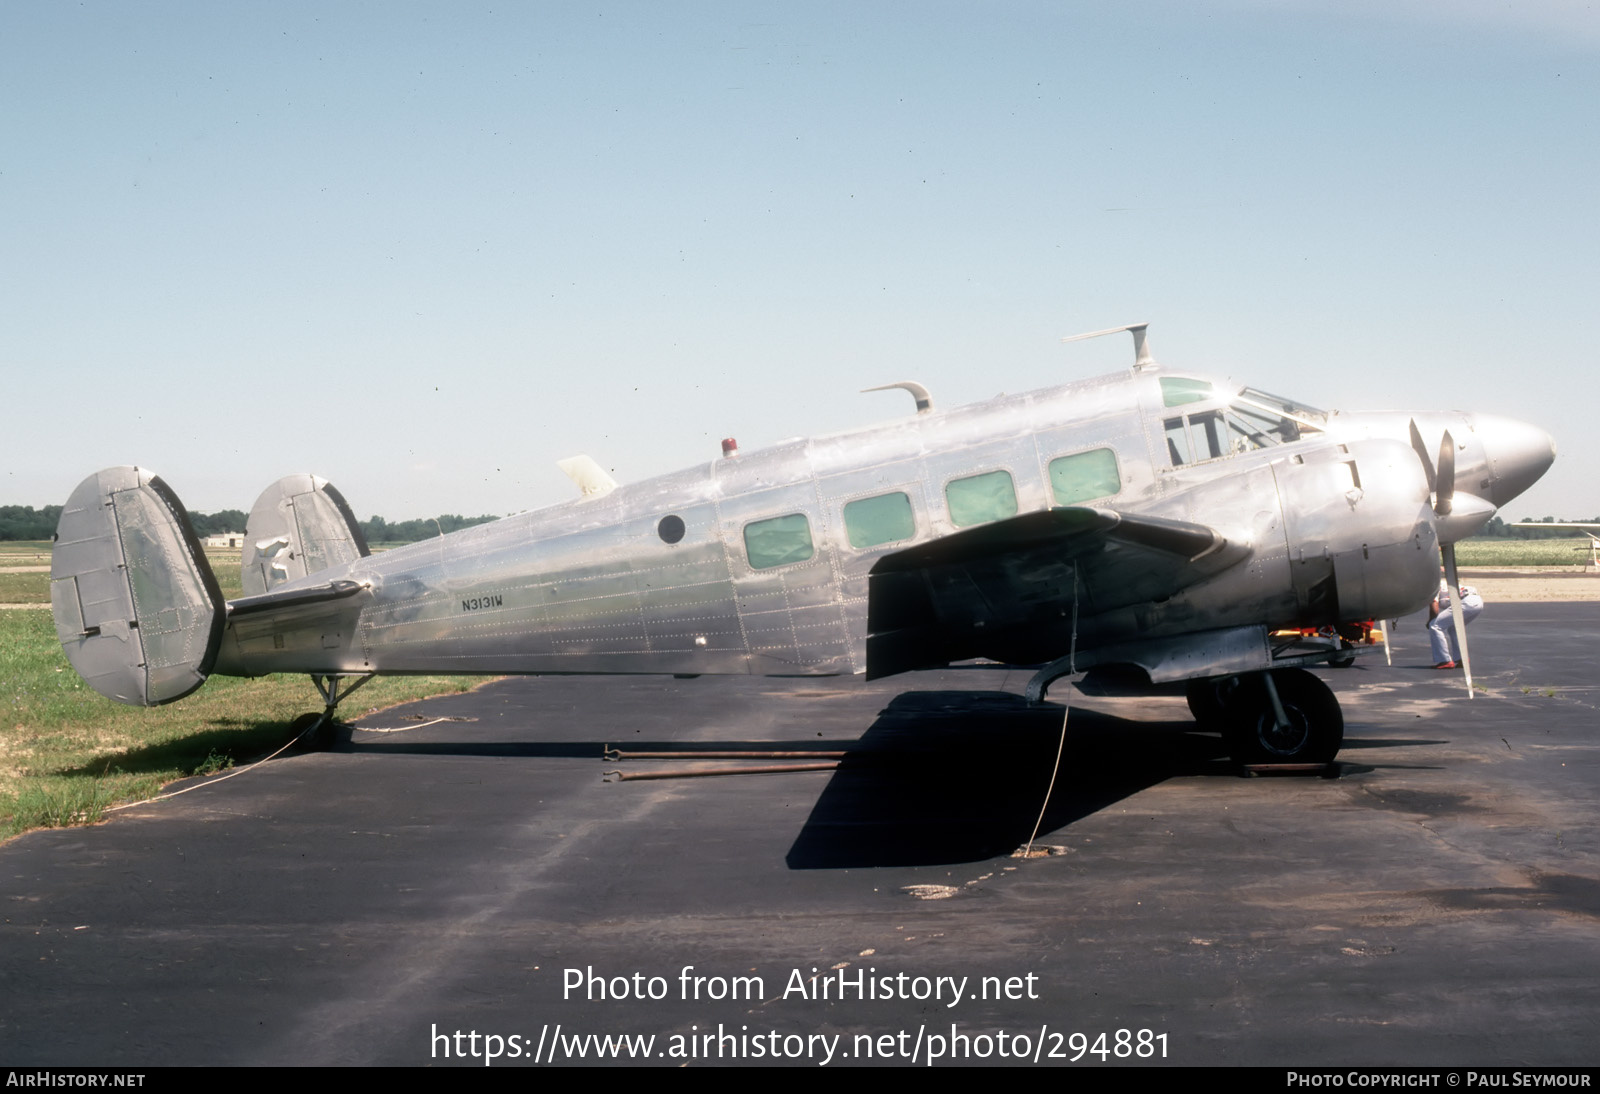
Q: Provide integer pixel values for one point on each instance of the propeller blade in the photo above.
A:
(1422, 454)
(1447, 475)
(1448, 552)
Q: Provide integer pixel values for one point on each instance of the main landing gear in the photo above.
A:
(1283, 716)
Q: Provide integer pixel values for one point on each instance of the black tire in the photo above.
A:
(1343, 659)
(320, 738)
(1316, 724)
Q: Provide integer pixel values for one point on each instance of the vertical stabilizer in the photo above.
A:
(299, 525)
(136, 606)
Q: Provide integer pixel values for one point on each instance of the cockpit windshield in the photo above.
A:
(1308, 415)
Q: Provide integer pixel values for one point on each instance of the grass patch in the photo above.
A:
(225, 564)
(25, 552)
(34, 588)
(66, 752)
(24, 588)
(1522, 552)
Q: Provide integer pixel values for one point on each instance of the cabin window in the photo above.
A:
(1177, 390)
(979, 499)
(883, 519)
(1085, 475)
(778, 541)
(671, 528)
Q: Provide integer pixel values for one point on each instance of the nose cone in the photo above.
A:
(1518, 454)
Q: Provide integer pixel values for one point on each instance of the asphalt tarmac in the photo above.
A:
(1438, 903)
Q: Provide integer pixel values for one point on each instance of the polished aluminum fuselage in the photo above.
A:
(1334, 526)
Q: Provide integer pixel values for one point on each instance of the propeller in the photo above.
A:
(1442, 484)
(1422, 454)
(1441, 476)
(1448, 552)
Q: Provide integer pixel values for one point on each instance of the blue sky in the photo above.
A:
(426, 250)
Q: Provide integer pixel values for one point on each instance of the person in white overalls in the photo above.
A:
(1442, 625)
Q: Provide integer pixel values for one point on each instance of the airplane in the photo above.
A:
(1153, 524)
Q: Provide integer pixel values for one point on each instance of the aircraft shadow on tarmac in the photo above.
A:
(945, 777)
(959, 776)
(940, 777)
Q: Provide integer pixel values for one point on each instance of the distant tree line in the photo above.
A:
(214, 524)
(378, 530)
(26, 522)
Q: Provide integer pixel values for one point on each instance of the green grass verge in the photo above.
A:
(66, 752)
(23, 552)
(1522, 552)
(34, 587)
(24, 588)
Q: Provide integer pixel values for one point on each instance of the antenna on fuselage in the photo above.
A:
(1141, 346)
(918, 392)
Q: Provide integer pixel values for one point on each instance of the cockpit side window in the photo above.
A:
(1213, 434)
(1179, 451)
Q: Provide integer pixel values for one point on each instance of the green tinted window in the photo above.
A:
(1177, 390)
(778, 541)
(981, 498)
(1084, 476)
(883, 519)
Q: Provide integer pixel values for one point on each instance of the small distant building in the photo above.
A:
(230, 540)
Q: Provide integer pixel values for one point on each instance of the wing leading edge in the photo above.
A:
(1009, 590)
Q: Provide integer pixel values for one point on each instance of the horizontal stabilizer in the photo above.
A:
(285, 599)
(300, 525)
(136, 606)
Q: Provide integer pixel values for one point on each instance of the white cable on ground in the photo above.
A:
(223, 778)
(1060, 746)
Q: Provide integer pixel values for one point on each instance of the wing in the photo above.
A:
(1008, 590)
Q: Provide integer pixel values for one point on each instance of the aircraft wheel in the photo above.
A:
(1315, 728)
(318, 739)
(1343, 659)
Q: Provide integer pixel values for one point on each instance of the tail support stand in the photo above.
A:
(334, 690)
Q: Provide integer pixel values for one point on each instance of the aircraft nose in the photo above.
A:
(1518, 454)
